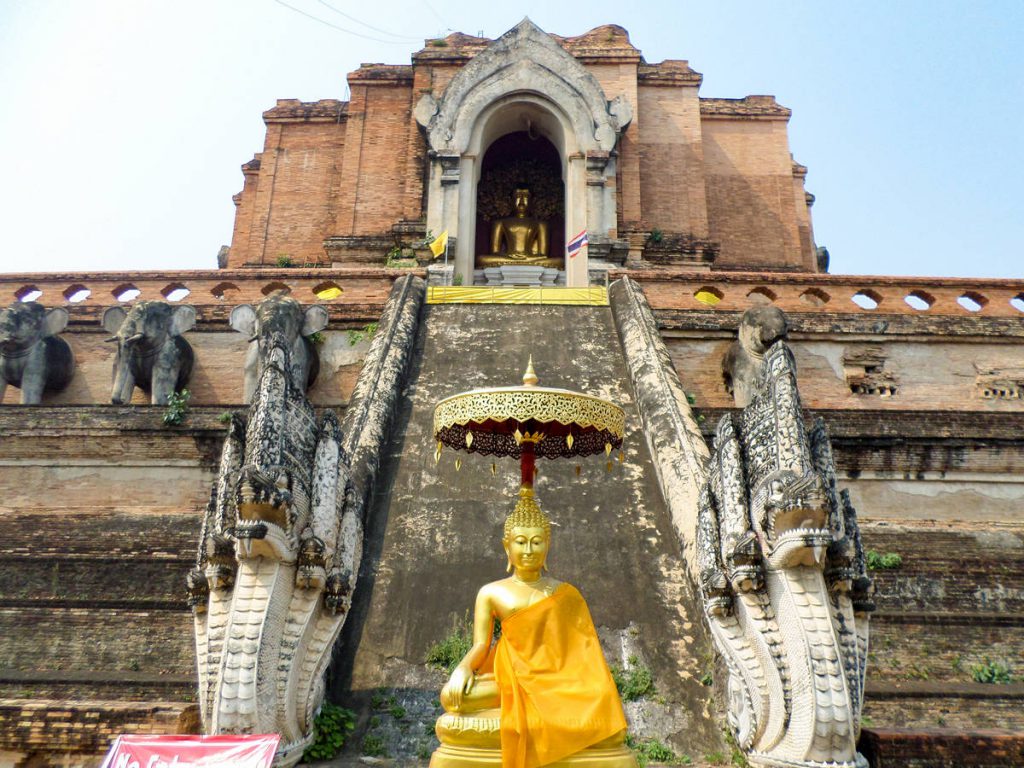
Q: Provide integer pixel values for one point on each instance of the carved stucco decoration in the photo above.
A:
(274, 573)
(864, 369)
(1002, 383)
(33, 357)
(525, 60)
(783, 580)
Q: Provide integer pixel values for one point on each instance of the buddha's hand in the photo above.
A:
(459, 684)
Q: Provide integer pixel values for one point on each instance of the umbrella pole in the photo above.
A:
(527, 464)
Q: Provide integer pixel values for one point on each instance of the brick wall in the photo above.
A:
(749, 179)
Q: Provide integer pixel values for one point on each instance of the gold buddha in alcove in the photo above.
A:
(542, 694)
(519, 239)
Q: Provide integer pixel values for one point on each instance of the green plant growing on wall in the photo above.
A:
(177, 408)
(225, 417)
(356, 335)
(653, 751)
(448, 652)
(373, 746)
(284, 260)
(993, 672)
(317, 338)
(656, 235)
(331, 728)
(634, 680)
(877, 561)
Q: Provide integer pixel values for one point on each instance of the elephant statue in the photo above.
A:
(151, 352)
(32, 356)
(759, 329)
(280, 314)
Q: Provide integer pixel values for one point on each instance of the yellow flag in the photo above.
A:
(439, 243)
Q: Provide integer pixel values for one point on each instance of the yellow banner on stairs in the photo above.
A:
(590, 296)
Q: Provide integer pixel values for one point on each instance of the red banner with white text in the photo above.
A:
(192, 752)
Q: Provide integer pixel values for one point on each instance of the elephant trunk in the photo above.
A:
(124, 380)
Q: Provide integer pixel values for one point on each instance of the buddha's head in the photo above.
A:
(527, 536)
(522, 201)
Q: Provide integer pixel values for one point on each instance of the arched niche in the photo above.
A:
(524, 77)
(525, 158)
(507, 129)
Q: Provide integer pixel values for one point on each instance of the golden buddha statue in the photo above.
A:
(542, 694)
(519, 239)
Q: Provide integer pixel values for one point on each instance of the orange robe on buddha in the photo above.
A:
(557, 695)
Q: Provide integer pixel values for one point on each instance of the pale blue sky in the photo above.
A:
(123, 124)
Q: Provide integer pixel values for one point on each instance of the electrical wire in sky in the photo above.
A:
(340, 12)
(340, 29)
(437, 15)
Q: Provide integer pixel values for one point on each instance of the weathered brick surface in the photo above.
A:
(941, 748)
(69, 639)
(357, 167)
(49, 726)
(965, 706)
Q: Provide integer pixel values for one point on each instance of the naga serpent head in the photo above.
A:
(794, 524)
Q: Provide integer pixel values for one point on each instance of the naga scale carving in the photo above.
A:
(783, 580)
(274, 573)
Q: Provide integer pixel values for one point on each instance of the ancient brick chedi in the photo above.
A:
(265, 429)
(650, 168)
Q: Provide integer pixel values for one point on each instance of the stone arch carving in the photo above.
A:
(526, 71)
(523, 60)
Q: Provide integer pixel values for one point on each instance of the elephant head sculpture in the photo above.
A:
(760, 328)
(32, 357)
(151, 353)
(280, 314)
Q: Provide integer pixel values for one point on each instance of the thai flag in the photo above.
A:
(577, 244)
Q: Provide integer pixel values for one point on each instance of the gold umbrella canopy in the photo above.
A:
(527, 421)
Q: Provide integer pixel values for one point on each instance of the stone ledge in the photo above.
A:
(944, 618)
(846, 426)
(941, 747)
(929, 689)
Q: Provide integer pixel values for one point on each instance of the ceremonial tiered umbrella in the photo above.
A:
(528, 421)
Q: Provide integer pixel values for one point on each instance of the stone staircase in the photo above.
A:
(433, 534)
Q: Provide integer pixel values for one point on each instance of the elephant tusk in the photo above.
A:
(110, 338)
(254, 338)
(134, 338)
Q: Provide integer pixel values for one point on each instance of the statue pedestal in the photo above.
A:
(513, 275)
(474, 741)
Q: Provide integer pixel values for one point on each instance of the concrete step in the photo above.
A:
(101, 531)
(93, 582)
(37, 639)
(941, 748)
(951, 569)
(87, 726)
(81, 686)
(943, 704)
(942, 646)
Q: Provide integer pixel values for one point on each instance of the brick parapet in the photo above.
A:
(366, 289)
(749, 107)
(810, 293)
(382, 74)
(674, 73)
(295, 111)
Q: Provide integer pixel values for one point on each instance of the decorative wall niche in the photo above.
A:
(864, 368)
